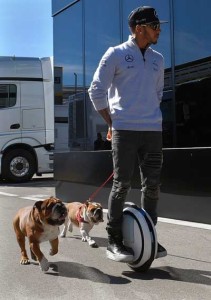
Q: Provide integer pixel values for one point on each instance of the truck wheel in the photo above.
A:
(18, 166)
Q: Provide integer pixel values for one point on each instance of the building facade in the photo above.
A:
(83, 30)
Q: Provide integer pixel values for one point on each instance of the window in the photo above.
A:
(191, 39)
(8, 95)
(57, 80)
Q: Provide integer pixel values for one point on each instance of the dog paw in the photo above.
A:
(24, 261)
(93, 244)
(44, 265)
(62, 235)
(83, 239)
(52, 252)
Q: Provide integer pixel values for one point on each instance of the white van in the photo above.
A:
(26, 117)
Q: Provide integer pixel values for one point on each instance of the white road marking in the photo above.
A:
(7, 194)
(164, 220)
(180, 222)
(185, 223)
(35, 197)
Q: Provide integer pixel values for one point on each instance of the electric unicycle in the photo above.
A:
(139, 234)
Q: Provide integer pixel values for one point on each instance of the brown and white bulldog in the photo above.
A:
(85, 216)
(39, 223)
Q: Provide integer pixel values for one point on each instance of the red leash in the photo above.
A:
(102, 185)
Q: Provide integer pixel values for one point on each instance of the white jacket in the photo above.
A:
(131, 86)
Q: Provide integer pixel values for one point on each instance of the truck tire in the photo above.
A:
(18, 166)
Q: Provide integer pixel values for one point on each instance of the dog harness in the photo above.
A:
(79, 218)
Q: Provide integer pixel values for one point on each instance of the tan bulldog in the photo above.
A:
(39, 223)
(85, 216)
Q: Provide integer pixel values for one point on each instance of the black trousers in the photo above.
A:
(126, 147)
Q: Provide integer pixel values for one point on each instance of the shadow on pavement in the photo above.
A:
(170, 273)
(101, 242)
(76, 270)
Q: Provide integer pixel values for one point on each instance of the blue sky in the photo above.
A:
(26, 28)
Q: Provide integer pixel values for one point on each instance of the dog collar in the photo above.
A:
(79, 218)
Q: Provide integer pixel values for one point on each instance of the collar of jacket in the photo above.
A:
(132, 43)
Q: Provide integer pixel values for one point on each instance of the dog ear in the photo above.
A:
(38, 204)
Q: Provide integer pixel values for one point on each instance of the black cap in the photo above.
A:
(143, 15)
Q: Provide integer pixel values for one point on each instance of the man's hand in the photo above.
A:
(109, 134)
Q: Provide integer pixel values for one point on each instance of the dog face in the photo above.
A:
(51, 211)
(94, 212)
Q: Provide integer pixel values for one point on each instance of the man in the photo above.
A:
(99, 142)
(132, 76)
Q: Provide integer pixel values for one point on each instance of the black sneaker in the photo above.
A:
(161, 251)
(119, 253)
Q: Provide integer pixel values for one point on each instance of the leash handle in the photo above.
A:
(93, 195)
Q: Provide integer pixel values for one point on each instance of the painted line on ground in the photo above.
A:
(29, 197)
(185, 223)
(180, 222)
(35, 197)
(8, 194)
(164, 220)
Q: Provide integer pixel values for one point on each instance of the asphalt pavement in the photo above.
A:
(81, 272)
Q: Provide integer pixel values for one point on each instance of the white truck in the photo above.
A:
(26, 117)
